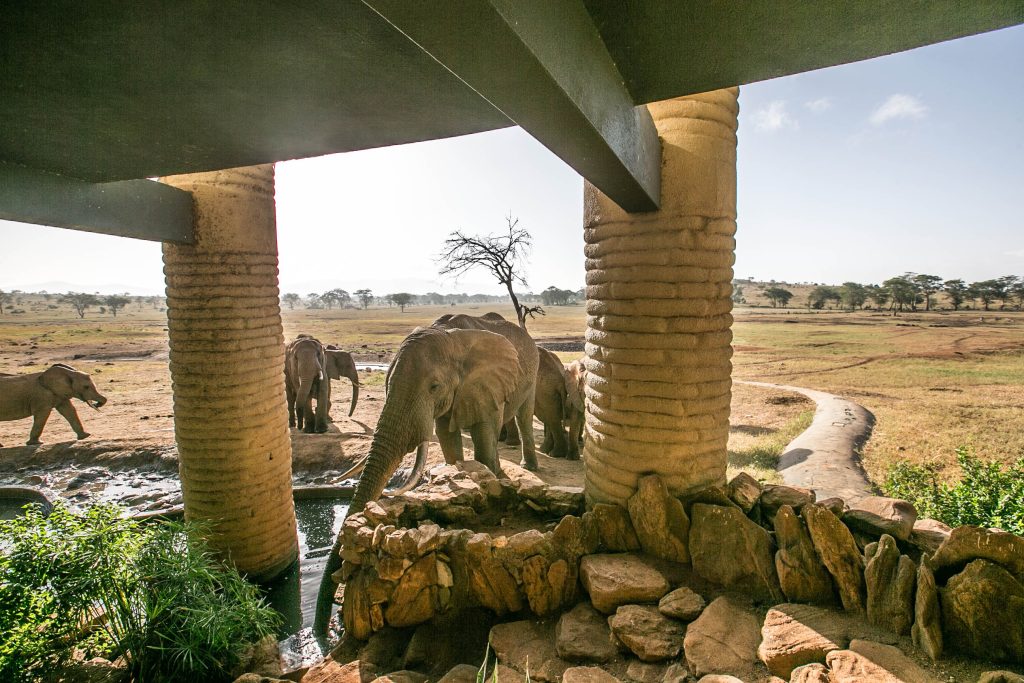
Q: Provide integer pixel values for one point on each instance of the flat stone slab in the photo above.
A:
(583, 634)
(795, 635)
(620, 579)
(870, 661)
(723, 639)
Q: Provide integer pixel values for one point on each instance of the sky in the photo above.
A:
(911, 162)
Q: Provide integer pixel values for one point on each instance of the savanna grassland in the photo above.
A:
(933, 380)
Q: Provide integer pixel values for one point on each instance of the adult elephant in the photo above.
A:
(462, 372)
(340, 364)
(305, 379)
(36, 394)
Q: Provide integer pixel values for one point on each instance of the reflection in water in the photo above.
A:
(294, 594)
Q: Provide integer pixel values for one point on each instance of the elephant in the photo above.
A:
(339, 364)
(575, 407)
(462, 372)
(305, 380)
(38, 393)
(552, 407)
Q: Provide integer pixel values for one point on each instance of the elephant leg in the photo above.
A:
(548, 444)
(511, 433)
(451, 442)
(574, 442)
(559, 444)
(39, 419)
(485, 446)
(71, 415)
(524, 418)
(290, 396)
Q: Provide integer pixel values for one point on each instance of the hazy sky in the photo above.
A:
(908, 162)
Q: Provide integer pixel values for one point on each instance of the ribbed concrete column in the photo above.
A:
(227, 365)
(658, 299)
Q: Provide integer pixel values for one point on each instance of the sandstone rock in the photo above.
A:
(723, 639)
(461, 673)
(646, 672)
(968, 543)
(929, 534)
(528, 644)
(572, 539)
(731, 550)
(649, 634)
(927, 628)
(659, 520)
(775, 496)
(415, 599)
(676, 673)
(620, 579)
(719, 678)
(809, 673)
(403, 676)
(890, 579)
(794, 635)
(712, 495)
(263, 658)
(244, 678)
(837, 506)
(548, 586)
(582, 634)
(587, 674)
(356, 606)
(384, 651)
(870, 661)
(682, 603)
(330, 671)
(837, 550)
(981, 613)
(1000, 677)
(744, 490)
(491, 584)
(615, 531)
(802, 576)
(879, 515)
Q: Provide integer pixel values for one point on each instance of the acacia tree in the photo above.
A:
(365, 297)
(401, 299)
(115, 302)
(80, 301)
(3, 300)
(927, 285)
(880, 295)
(502, 255)
(291, 298)
(956, 291)
(853, 295)
(778, 296)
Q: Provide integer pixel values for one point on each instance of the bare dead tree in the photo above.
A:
(503, 255)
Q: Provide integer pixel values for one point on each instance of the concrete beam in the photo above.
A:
(131, 208)
(544, 66)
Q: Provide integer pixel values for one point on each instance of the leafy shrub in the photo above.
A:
(167, 604)
(987, 495)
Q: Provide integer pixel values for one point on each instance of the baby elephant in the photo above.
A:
(37, 393)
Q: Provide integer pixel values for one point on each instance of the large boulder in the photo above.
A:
(794, 635)
(981, 613)
(587, 674)
(331, 671)
(659, 520)
(620, 579)
(927, 629)
(775, 496)
(877, 515)
(682, 603)
(733, 551)
(929, 534)
(648, 634)
(809, 673)
(582, 634)
(834, 544)
(744, 490)
(523, 645)
(613, 528)
(801, 574)
(869, 661)
(968, 543)
(1000, 677)
(890, 578)
(723, 639)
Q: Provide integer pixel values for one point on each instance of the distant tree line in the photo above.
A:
(908, 292)
(81, 303)
(364, 298)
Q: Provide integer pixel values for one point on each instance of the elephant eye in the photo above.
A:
(434, 386)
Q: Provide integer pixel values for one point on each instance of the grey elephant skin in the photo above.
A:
(340, 364)
(553, 408)
(575, 408)
(462, 372)
(36, 394)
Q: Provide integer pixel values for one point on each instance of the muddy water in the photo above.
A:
(294, 594)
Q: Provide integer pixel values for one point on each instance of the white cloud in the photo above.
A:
(819, 105)
(775, 117)
(899, 107)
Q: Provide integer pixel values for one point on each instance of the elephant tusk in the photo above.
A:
(414, 476)
(355, 469)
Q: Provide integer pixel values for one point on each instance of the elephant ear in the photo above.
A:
(57, 380)
(489, 371)
(331, 361)
(573, 375)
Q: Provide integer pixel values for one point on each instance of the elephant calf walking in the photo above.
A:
(36, 394)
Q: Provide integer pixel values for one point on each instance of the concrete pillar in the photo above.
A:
(659, 311)
(227, 367)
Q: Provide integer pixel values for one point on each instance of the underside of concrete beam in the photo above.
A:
(132, 208)
(544, 66)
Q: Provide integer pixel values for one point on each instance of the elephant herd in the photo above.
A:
(309, 367)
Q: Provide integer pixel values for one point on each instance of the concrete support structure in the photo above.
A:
(659, 311)
(227, 366)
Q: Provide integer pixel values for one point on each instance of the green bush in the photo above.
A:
(987, 495)
(168, 606)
